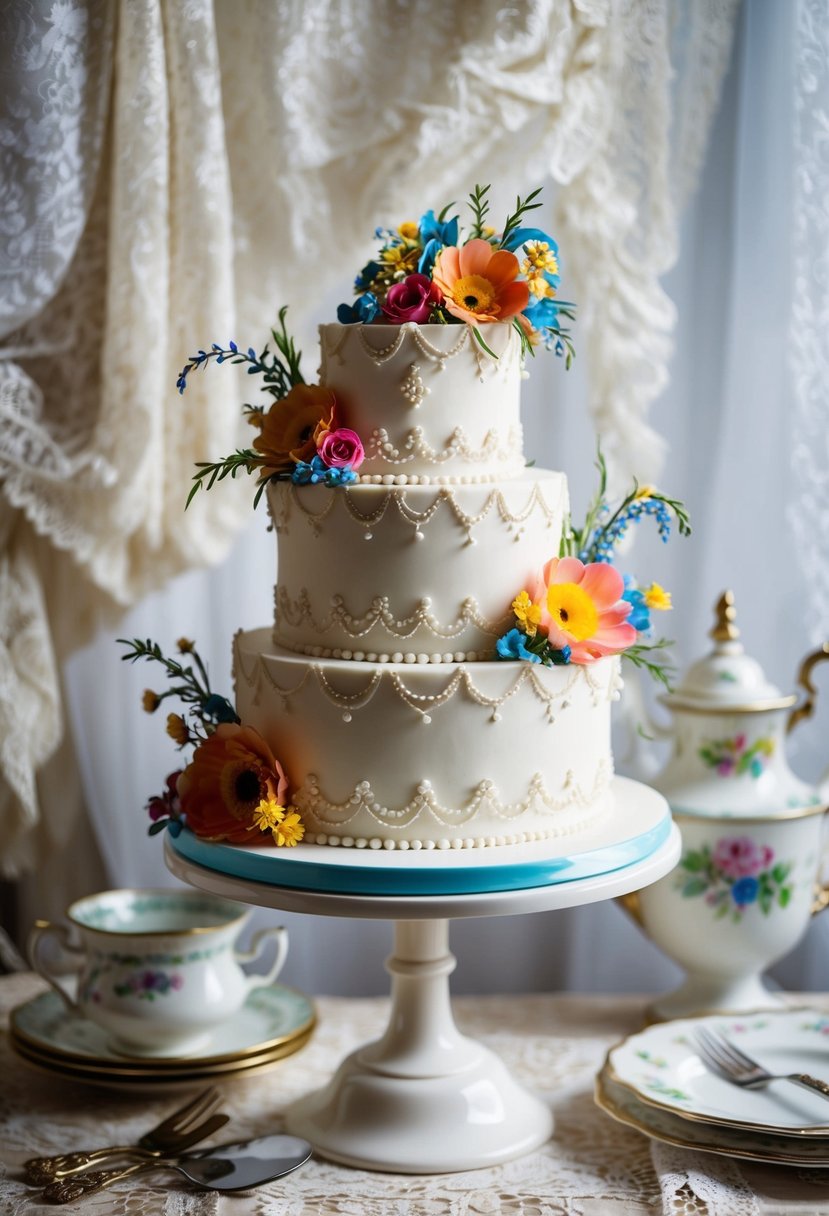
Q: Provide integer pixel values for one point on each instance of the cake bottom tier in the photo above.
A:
(442, 755)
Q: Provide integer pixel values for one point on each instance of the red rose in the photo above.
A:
(340, 448)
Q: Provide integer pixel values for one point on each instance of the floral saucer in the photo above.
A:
(625, 1107)
(272, 1022)
(661, 1067)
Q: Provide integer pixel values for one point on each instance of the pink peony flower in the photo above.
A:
(412, 300)
(340, 448)
(740, 857)
(582, 607)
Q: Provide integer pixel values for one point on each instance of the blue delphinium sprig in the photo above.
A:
(279, 368)
(605, 527)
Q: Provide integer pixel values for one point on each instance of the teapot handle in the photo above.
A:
(804, 678)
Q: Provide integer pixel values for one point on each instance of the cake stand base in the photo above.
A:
(423, 1098)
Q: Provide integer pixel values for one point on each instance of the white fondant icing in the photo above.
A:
(418, 569)
(403, 751)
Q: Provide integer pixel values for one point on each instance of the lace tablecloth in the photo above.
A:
(555, 1044)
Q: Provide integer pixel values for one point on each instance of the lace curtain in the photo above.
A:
(172, 172)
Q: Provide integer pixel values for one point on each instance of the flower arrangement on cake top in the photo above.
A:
(579, 608)
(429, 272)
(432, 272)
(233, 784)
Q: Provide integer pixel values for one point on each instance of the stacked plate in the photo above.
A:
(655, 1081)
(274, 1022)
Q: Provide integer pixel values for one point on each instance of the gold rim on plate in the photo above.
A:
(150, 1076)
(771, 1156)
(818, 1132)
(161, 1063)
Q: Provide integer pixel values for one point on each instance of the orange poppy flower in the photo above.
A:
(478, 282)
(222, 786)
(293, 427)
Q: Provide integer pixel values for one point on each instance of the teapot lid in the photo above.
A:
(727, 679)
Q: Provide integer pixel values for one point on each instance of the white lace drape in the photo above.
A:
(172, 172)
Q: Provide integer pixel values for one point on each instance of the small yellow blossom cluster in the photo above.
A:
(657, 597)
(527, 614)
(540, 260)
(283, 822)
(177, 729)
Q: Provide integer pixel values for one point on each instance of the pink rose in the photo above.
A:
(412, 300)
(738, 857)
(340, 448)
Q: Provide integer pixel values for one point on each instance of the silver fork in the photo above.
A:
(721, 1057)
(180, 1130)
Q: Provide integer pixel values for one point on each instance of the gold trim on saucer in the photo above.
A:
(139, 1064)
(771, 1156)
(163, 892)
(787, 813)
(108, 1076)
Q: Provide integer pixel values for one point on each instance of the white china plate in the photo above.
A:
(270, 1018)
(660, 1066)
(622, 1105)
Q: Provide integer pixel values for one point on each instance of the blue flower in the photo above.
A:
(435, 234)
(745, 890)
(560, 658)
(367, 276)
(364, 309)
(640, 617)
(513, 645)
(309, 474)
(220, 709)
(433, 229)
(340, 477)
(520, 236)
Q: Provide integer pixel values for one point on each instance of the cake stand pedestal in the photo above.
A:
(424, 1098)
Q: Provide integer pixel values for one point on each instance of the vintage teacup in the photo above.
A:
(740, 899)
(157, 969)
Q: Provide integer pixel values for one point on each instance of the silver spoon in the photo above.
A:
(227, 1167)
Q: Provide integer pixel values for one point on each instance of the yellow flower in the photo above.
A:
(409, 230)
(527, 614)
(290, 830)
(268, 815)
(401, 258)
(657, 597)
(150, 701)
(644, 492)
(540, 258)
(185, 646)
(177, 729)
(539, 286)
(572, 611)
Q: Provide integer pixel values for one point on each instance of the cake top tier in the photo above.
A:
(428, 402)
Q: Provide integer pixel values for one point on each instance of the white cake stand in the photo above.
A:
(424, 1098)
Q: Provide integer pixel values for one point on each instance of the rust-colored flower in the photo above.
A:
(177, 729)
(292, 427)
(228, 777)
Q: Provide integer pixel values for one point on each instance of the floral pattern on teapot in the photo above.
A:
(735, 757)
(733, 875)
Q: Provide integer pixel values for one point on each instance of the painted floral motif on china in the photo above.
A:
(736, 874)
(736, 757)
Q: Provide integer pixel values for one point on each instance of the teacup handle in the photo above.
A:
(249, 956)
(41, 930)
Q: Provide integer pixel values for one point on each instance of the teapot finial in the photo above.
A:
(725, 630)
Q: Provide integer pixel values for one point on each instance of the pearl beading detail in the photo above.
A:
(299, 612)
(425, 803)
(415, 447)
(495, 504)
(461, 680)
(412, 334)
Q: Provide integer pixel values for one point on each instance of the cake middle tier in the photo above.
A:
(414, 573)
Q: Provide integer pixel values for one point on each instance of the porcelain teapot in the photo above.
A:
(749, 877)
(729, 731)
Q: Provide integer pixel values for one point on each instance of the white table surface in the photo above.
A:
(552, 1043)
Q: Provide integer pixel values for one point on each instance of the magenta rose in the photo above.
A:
(340, 448)
(412, 300)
